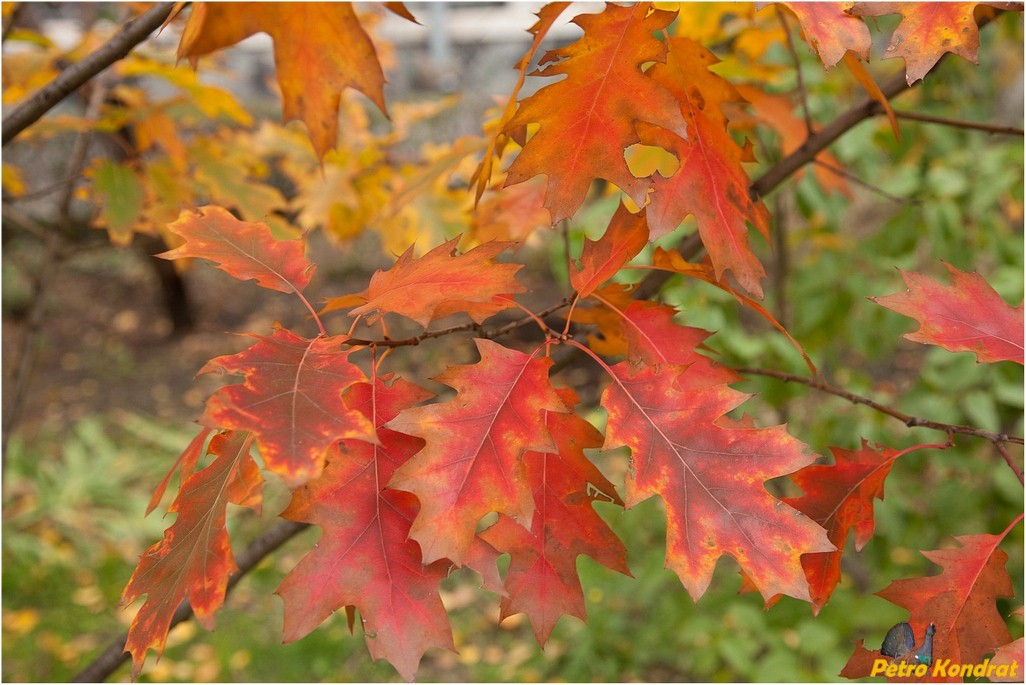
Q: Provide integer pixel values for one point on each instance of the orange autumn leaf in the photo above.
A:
(195, 558)
(440, 284)
(710, 182)
(472, 463)
(840, 497)
(320, 49)
(960, 601)
(710, 471)
(542, 579)
(291, 400)
(364, 557)
(927, 31)
(601, 259)
(242, 250)
(589, 118)
(830, 30)
(967, 316)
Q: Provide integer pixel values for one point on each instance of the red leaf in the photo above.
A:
(291, 400)
(927, 30)
(242, 250)
(542, 578)
(588, 119)
(442, 283)
(547, 16)
(830, 31)
(364, 557)
(1011, 657)
(187, 461)
(195, 557)
(624, 238)
(710, 181)
(710, 472)
(320, 49)
(960, 602)
(967, 316)
(840, 498)
(472, 463)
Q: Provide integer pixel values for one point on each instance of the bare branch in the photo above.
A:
(910, 421)
(956, 123)
(110, 659)
(69, 80)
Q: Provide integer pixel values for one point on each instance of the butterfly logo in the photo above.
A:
(900, 644)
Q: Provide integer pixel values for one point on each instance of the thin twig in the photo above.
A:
(910, 421)
(868, 186)
(1000, 447)
(802, 93)
(463, 328)
(956, 123)
(110, 659)
(69, 80)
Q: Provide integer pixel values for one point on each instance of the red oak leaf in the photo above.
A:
(187, 460)
(839, 497)
(652, 337)
(710, 181)
(195, 557)
(967, 316)
(710, 471)
(542, 578)
(547, 16)
(442, 283)
(472, 463)
(624, 238)
(830, 31)
(291, 400)
(960, 602)
(241, 249)
(319, 50)
(927, 30)
(588, 119)
(364, 557)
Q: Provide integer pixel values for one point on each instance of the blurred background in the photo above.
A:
(101, 345)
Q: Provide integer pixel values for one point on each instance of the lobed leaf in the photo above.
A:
(473, 461)
(587, 119)
(440, 284)
(967, 316)
(364, 558)
(542, 579)
(241, 249)
(960, 601)
(195, 557)
(320, 49)
(291, 400)
(710, 471)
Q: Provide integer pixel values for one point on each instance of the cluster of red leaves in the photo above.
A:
(399, 488)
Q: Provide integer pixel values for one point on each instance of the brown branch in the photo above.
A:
(956, 123)
(69, 80)
(1008, 460)
(910, 421)
(463, 328)
(110, 659)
